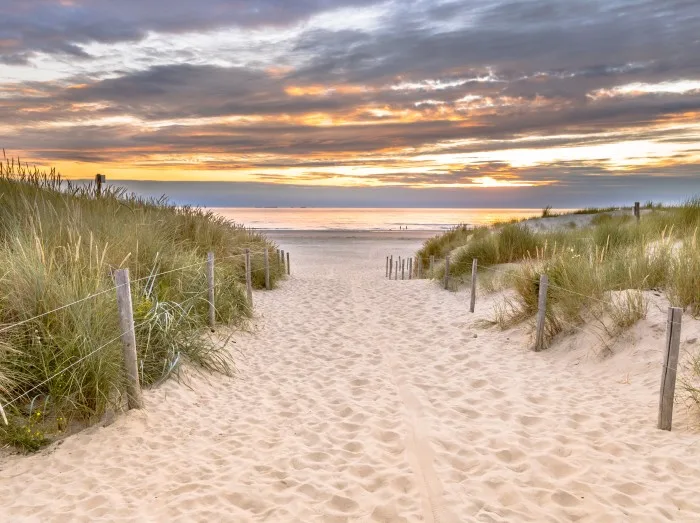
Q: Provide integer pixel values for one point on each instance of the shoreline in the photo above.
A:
(348, 234)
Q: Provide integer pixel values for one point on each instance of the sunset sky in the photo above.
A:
(344, 102)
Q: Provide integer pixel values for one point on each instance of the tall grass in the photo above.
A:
(597, 271)
(59, 244)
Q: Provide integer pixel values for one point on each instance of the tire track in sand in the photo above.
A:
(419, 452)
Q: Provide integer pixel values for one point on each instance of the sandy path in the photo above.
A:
(361, 399)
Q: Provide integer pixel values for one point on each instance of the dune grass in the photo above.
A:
(595, 272)
(60, 244)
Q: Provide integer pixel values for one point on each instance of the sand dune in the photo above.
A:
(362, 399)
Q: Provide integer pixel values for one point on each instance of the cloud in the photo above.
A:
(418, 92)
(62, 27)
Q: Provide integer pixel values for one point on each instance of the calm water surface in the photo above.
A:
(368, 219)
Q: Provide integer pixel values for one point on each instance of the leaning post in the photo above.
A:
(541, 313)
(472, 303)
(210, 289)
(248, 278)
(447, 272)
(128, 337)
(266, 255)
(668, 371)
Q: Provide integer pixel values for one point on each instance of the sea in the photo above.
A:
(369, 219)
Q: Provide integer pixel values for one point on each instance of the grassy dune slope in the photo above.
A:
(59, 244)
(599, 273)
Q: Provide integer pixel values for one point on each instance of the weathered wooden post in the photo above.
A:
(128, 337)
(403, 269)
(541, 313)
(410, 268)
(637, 212)
(284, 269)
(266, 255)
(386, 268)
(277, 255)
(447, 272)
(472, 303)
(99, 180)
(668, 371)
(391, 265)
(432, 263)
(210, 285)
(289, 267)
(248, 278)
(396, 272)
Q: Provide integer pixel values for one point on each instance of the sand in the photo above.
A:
(360, 399)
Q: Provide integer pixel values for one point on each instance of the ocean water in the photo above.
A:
(320, 219)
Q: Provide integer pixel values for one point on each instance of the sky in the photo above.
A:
(436, 103)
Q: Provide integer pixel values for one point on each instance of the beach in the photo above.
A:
(362, 399)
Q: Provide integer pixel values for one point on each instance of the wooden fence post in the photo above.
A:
(386, 268)
(668, 371)
(396, 272)
(410, 268)
(403, 269)
(391, 265)
(289, 267)
(99, 180)
(447, 272)
(472, 303)
(128, 337)
(637, 212)
(210, 293)
(248, 278)
(266, 254)
(541, 313)
(284, 269)
(278, 258)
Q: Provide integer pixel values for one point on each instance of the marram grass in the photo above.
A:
(59, 244)
(597, 273)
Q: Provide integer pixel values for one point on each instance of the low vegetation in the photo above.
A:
(61, 366)
(599, 273)
(600, 269)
